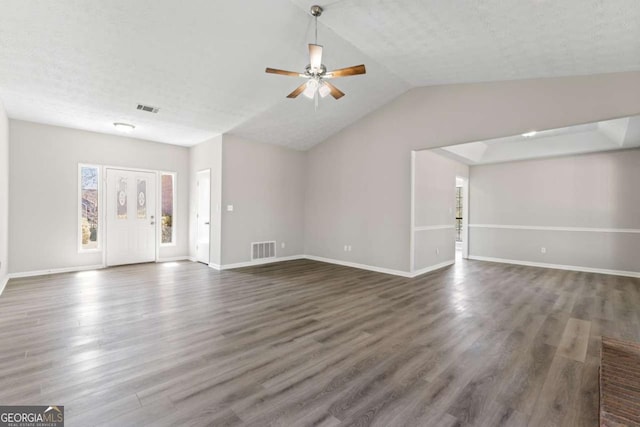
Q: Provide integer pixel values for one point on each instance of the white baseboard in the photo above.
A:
(336, 262)
(255, 262)
(433, 267)
(54, 271)
(557, 266)
(174, 258)
(360, 266)
(3, 283)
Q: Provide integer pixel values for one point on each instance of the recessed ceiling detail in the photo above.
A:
(588, 138)
(202, 62)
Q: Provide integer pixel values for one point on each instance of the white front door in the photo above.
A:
(203, 216)
(131, 217)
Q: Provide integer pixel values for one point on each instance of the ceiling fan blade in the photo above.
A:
(335, 92)
(345, 72)
(298, 91)
(315, 56)
(283, 72)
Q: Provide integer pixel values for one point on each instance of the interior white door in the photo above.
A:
(203, 216)
(131, 217)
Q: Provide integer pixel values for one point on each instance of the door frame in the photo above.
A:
(103, 200)
(207, 170)
(465, 215)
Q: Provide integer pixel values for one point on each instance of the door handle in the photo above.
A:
(206, 223)
(153, 222)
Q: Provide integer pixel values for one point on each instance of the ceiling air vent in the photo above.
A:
(148, 108)
(261, 250)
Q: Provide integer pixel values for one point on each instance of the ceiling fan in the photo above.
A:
(316, 73)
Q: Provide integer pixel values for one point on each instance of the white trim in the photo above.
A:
(54, 271)
(336, 262)
(3, 283)
(412, 219)
(465, 216)
(557, 266)
(433, 267)
(256, 262)
(434, 227)
(548, 228)
(360, 266)
(242, 264)
(174, 258)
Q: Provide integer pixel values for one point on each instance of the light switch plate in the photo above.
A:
(229, 208)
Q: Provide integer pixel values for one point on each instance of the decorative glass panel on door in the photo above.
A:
(122, 198)
(142, 198)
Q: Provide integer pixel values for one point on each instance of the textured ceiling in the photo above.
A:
(88, 63)
(444, 41)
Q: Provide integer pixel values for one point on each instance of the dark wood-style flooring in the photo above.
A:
(307, 343)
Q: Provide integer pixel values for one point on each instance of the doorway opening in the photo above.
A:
(461, 218)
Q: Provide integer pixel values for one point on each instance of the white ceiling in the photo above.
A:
(88, 63)
(607, 135)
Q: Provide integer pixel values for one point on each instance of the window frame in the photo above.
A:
(101, 207)
(174, 193)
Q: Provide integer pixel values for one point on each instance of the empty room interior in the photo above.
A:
(289, 213)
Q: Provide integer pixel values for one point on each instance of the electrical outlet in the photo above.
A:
(437, 251)
(282, 245)
(543, 250)
(229, 208)
(349, 248)
(346, 248)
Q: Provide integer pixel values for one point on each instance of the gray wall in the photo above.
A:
(434, 206)
(265, 184)
(593, 191)
(358, 181)
(4, 195)
(207, 155)
(44, 190)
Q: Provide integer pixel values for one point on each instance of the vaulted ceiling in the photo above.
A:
(88, 63)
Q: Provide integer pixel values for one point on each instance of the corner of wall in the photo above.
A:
(206, 155)
(4, 197)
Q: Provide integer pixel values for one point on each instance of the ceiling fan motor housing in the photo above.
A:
(315, 73)
(316, 10)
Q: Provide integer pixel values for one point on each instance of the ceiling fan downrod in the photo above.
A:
(315, 12)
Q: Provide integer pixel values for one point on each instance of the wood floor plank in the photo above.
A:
(309, 343)
(557, 398)
(575, 340)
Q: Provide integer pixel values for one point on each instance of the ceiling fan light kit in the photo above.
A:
(316, 73)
